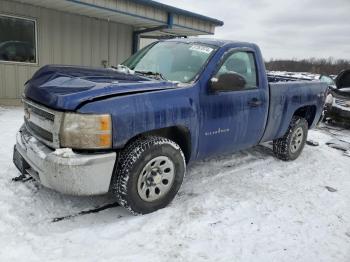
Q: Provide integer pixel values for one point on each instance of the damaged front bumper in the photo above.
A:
(63, 170)
(339, 111)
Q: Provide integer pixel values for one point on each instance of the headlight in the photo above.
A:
(84, 131)
(329, 99)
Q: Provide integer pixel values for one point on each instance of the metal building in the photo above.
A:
(34, 33)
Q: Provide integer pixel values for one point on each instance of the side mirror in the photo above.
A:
(228, 82)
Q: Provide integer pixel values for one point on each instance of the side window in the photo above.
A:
(242, 63)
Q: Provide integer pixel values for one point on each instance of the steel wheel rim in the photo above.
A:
(297, 140)
(156, 179)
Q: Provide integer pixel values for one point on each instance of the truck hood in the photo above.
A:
(343, 79)
(66, 87)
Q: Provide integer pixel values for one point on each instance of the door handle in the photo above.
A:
(255, 102)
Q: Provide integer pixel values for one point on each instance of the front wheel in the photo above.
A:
(290, 146)
(149, 174)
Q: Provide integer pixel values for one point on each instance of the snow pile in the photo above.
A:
(64, 152)
(243, 207)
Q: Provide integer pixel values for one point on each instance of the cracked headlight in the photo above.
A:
(329, 99)
(84, 131)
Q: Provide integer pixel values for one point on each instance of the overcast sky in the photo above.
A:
(283, 29)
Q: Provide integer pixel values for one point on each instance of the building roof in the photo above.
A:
(141, 14)
(173, 9)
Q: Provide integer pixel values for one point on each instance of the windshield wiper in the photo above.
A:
(123, 69)
(155, 75)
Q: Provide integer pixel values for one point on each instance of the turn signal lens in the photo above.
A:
(105, 123)
(105, 140)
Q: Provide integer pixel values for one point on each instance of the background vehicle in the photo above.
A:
(338, 103)
(17, 51)
(290, 76)
(132, 131)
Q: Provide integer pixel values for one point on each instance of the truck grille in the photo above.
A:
(38, 131)
(342, 102)
(42, 113)
(42, 122)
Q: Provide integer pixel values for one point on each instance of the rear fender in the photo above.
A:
(293, 98)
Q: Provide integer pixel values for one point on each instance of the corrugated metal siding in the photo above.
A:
(196, 24)
(145, 42)
(64, 38)
(132, 7)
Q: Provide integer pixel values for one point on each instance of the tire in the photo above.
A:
(153, 163)
(290, 146)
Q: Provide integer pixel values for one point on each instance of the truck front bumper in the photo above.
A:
(62, 170)
(339, 113)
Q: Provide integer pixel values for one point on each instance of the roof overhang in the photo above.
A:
(141, 14)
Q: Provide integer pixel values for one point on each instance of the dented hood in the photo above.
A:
(343, 79)
(67, 87)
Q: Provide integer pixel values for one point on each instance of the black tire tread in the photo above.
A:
(127, 159)
(281, 145)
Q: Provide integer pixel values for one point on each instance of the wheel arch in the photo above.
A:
(179, 134)
(308, 112)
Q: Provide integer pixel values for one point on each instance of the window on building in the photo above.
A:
(17, 39)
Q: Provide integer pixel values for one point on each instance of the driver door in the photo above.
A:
(233, 119)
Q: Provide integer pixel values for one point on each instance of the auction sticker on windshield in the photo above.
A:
(201, 48)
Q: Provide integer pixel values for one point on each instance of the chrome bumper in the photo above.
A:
(64, 171)
(338, 112)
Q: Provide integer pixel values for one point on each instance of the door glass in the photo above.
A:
(242, 63)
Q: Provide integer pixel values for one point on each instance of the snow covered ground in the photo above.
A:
(243, 207)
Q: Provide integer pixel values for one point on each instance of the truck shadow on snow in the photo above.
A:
(56, 208)
(42, 207)
(104, 209)
(70, 208)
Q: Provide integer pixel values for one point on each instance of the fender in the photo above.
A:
(136, 114)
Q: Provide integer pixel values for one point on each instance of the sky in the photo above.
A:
(283, 29)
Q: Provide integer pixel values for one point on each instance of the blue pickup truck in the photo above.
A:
(131, 130)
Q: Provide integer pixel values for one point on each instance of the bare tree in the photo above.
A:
(329, 66)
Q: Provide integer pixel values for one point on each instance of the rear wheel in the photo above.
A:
(149, 174)
(290, 146)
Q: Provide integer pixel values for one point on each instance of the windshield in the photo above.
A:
(174, 61)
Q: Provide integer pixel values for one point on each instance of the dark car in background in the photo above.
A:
(18, 51)
(337, 106)
(338, 100)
